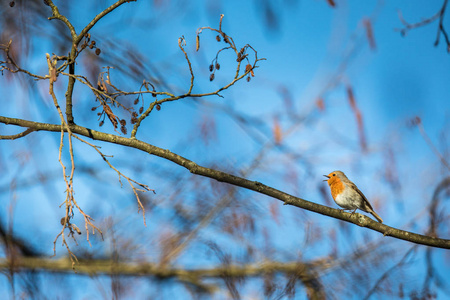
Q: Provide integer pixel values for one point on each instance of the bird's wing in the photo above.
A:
(362, 195)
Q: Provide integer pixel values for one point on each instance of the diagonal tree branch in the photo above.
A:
(98, 17)
(194, 168)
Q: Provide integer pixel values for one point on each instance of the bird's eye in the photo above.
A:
(334, 174)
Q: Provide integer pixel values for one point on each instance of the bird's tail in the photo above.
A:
(379, 219)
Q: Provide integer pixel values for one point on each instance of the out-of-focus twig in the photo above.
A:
(418, 122)
(438, 16)
(389, 271)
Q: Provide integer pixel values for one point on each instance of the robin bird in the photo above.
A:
(347, 195)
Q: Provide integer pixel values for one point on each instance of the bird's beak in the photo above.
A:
(326, 177)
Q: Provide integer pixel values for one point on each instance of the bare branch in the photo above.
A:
(181, 43)
(131, 181)
(58, 16)
(10, 64)
(98, 17)
(441, 29)
(194, 168)
(16, 136)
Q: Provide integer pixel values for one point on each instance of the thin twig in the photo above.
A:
(181, 43)
(389, 272)
(430, 144)
(441, 29)
(15, 67)
(69, 182)
(131, 181)
(17, 136)
(99, 17)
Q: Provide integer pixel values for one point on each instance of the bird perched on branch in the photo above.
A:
(347, 195)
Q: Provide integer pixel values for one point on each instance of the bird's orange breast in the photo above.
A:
(336, 188)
